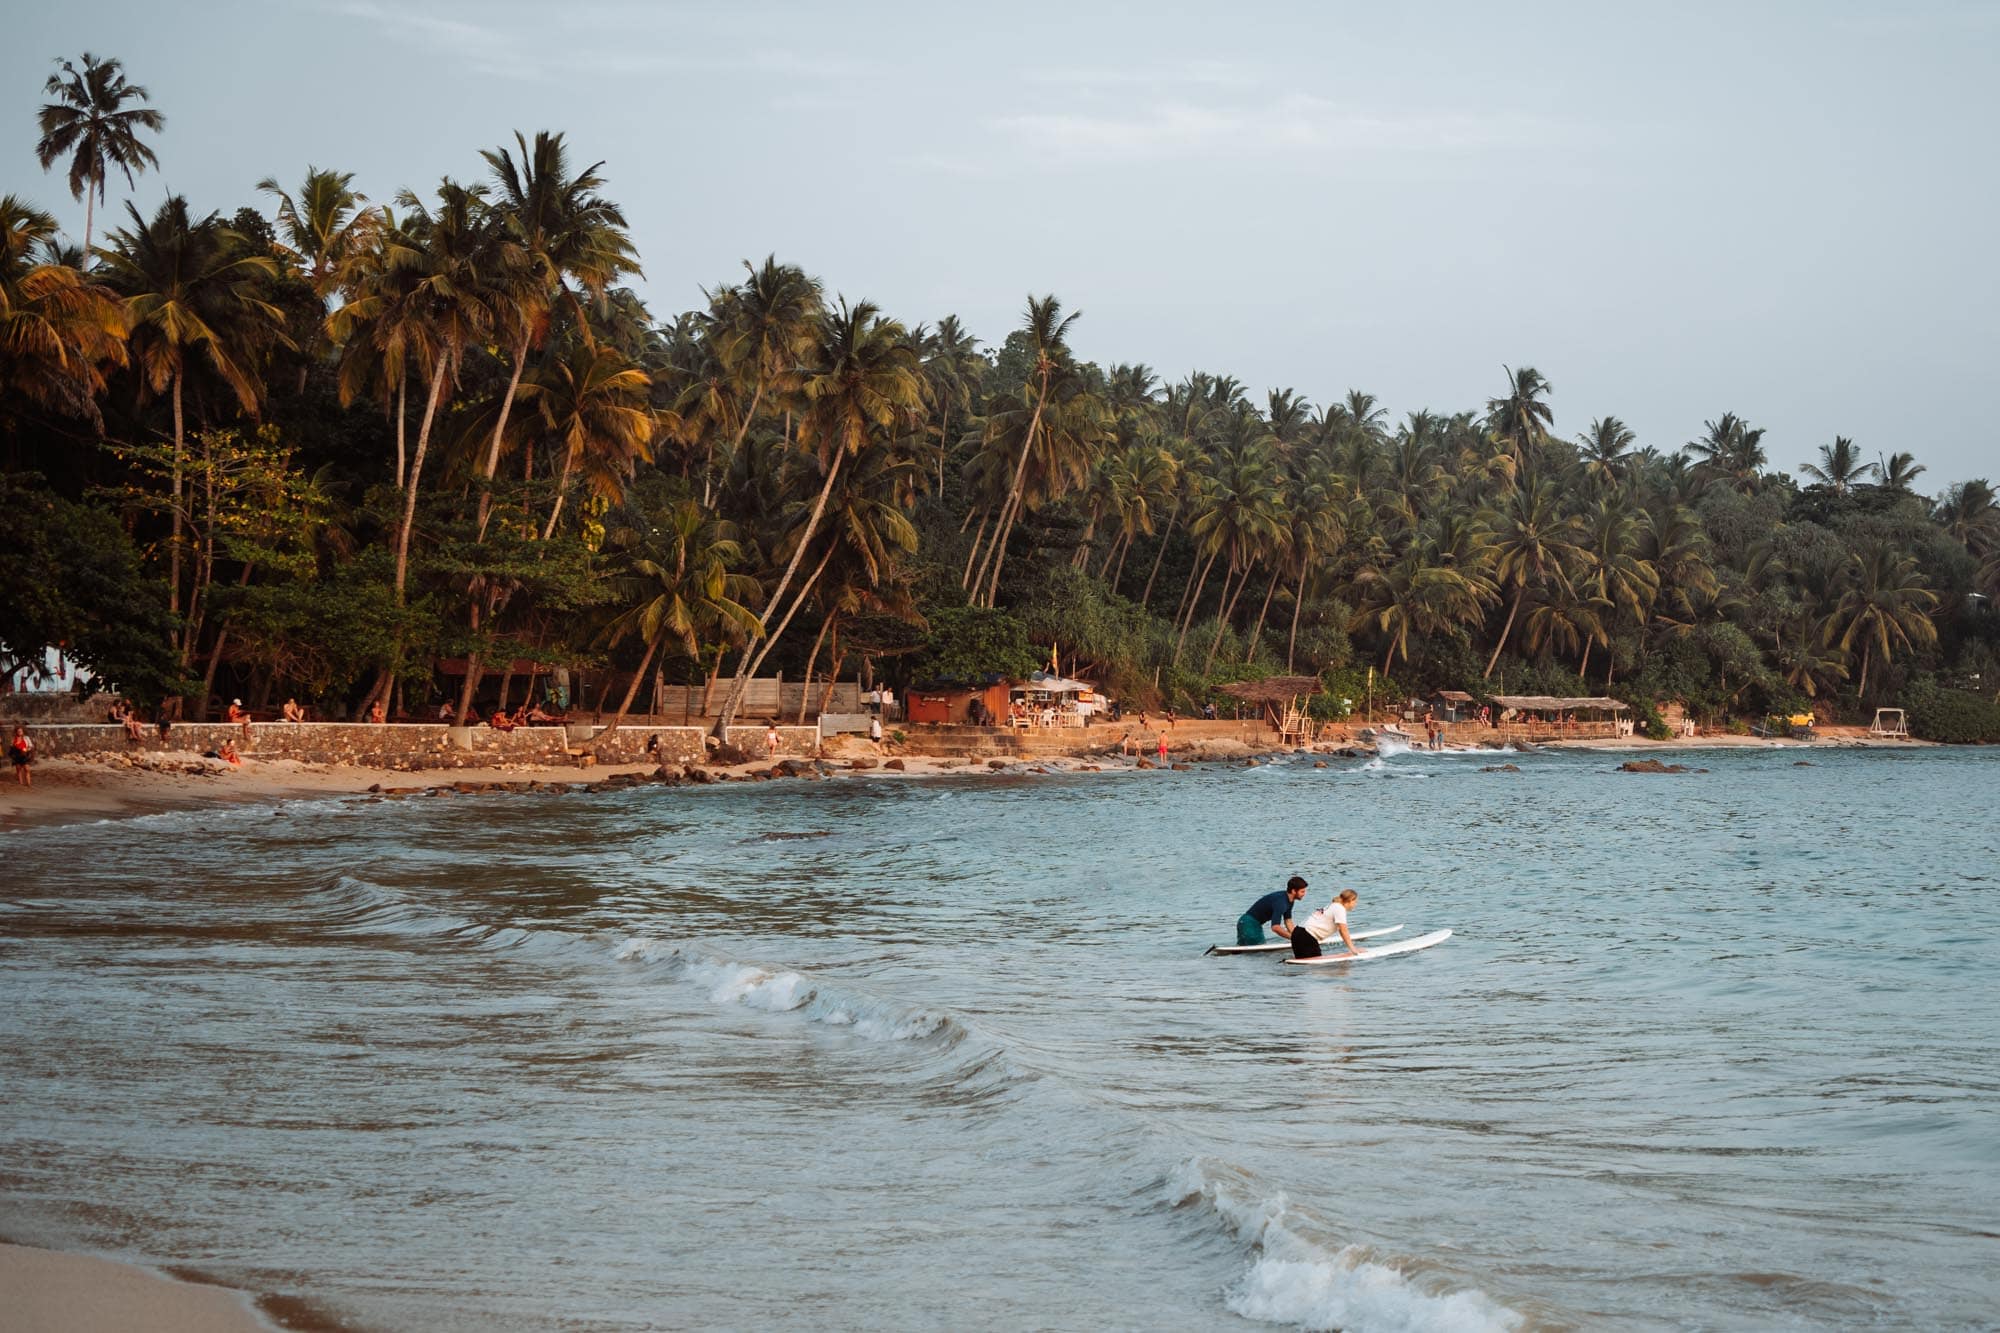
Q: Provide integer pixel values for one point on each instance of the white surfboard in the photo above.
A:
(1272, 946)
(1380, 951)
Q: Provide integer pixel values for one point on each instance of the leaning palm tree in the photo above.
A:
(863, 384)
(555, 229)
(90, 123)
(1047, 330)
(1840, 468)
(194, 295)
(59, 329)
(593, 403)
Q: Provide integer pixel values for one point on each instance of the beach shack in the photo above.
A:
(1453, 706)
(957, 702)
(1283, 701)
(1543, 717)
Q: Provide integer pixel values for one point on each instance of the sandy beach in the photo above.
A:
(48, 1292)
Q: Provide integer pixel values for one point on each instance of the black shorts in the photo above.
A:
(1305, 944)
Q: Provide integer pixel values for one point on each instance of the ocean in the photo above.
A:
(1715, 1050)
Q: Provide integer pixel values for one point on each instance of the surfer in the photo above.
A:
(1323, 925)
(1273, 910)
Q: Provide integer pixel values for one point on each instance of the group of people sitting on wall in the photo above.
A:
(528, 714)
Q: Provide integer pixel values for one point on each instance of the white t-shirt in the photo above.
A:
(1323, 922)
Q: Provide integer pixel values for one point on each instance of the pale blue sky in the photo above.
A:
(1781, 210)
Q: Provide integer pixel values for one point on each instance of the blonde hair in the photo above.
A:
(1348, 896)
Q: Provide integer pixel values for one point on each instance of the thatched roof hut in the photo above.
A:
(1273, 690)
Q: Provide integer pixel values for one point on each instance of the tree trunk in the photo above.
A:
(506, 685)
(1585, 666)
(1146, 597)
(1194, 601)
(492, 467)
(1001, 522)
(1014, 492)
(1298, 601)
(1228, 610)
(402, 423)
(1124, 549)
(562, 493)
(747, 669)
(811, 658)
(1520, 591)
(174, 545)
(416, 475)
(1258, 633)
(632, 688)
(965, 579)
(737, 686)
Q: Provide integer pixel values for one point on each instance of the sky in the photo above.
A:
(1782, 210)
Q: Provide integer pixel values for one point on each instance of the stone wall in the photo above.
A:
(413, 746)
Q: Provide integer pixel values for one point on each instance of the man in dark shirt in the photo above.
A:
(1273, 910)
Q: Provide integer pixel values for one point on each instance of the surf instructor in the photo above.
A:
(1273, 910)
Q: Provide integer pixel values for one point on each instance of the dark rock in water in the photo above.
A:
(895, 765)
(1038, 769)
(1649, 766)
(376, 788)
(1144, 763)
(1180, 768)
(996, 764)
(698, 775)
(1319, 763)
(1796, 763)
(1501, 768)
(1249, 763)
(1348, 752)
(1090, 768)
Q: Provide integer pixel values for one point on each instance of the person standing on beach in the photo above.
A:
(1273, 910)
(1323, 925)
(1163, 747)
(771, 742)
(21, 753)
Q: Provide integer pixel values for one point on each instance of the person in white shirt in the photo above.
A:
(1323, 925)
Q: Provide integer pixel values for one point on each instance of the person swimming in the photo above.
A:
(1273, 910)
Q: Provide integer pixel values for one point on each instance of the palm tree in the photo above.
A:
(1316, 528)
(1047, 330)
(952, 369)
(1613, 573)
(1521, 420)
(1534, 548)
(1897, 471)
(1730, 448)
(1970, 513)
(1607, 451)
(320, 230)
(59, 329)
(91, 124)
(1240, 518)
(555, 228)
(594, 404)
(1840, 468)
(676, 581)
(1885, 604)
(864, 382)
(194, 295)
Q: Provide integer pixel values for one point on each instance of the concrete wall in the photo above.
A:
(418, 745)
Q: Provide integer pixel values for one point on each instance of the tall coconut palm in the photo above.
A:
(1840, 468)
(555, 229)
(1970, 512)
(59, 328)
(90, 123)
(194, 296)
(1316, 530)
(1885, 605)
(864, 382)
(1897, 472)
(1535, 544)
(1520, 419)
(1047, 330)
(953, 368)
(1606, 450)
(1732, 449)
(321, 227)
(1240, 518)
(1611, 569)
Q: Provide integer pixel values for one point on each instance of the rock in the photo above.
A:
(376, 789)
(1501, 768)
(895, 765)
(1804, 763)
(698, 775)
(862, 765)
(1144, 763)
(1319, 763)
(1649, 766)
(1249, 763)
(1180, 768)
(1090, 768)
(996, 764)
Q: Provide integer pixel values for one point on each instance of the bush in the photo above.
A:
(1957, 717)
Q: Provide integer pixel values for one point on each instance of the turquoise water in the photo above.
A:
(1714, 1050)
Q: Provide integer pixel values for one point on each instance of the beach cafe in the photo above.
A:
(1536, 717)
(1045, 700)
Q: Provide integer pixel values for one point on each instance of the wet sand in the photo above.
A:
(48, 1292)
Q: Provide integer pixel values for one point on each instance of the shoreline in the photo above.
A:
(80, 790)
(84, 1293)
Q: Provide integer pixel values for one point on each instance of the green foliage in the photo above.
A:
(972, 643)
(1960, 717)
(69, 577)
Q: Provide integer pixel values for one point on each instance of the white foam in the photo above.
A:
(1292, 1281)
(754, 987)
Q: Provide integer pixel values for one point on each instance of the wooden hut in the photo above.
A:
(1546, 717)
(1282, 699)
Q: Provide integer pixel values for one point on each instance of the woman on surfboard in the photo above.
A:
(1323, 925)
